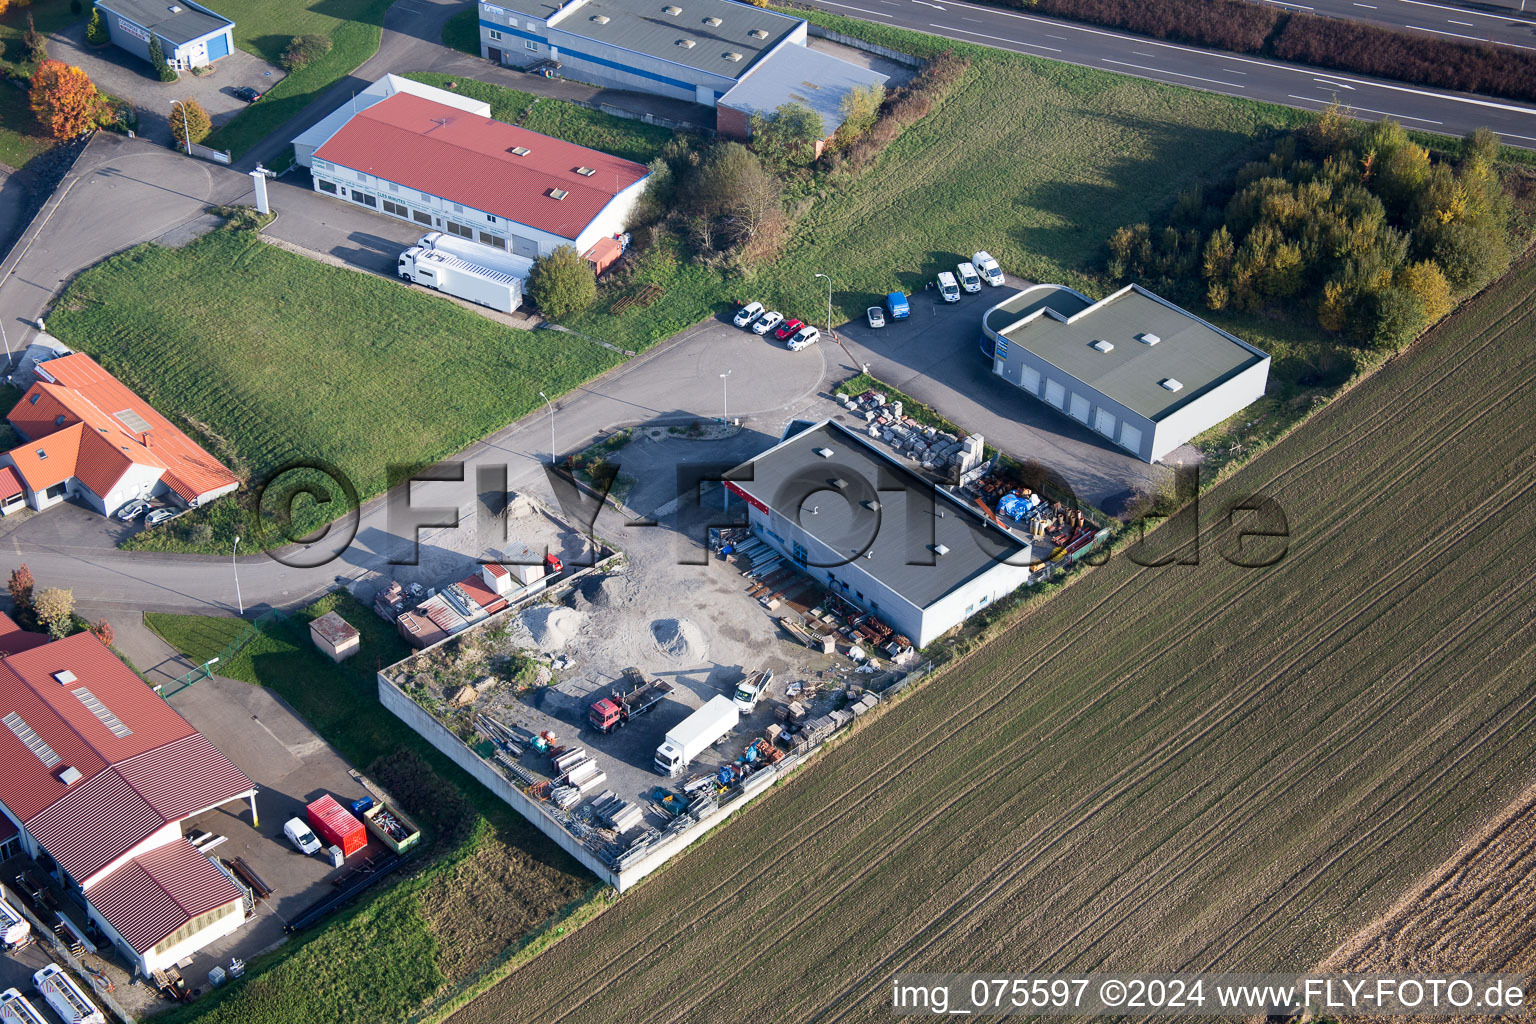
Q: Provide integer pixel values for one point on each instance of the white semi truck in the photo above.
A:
(65, 997)
(15, 1009)
(468, 270)
(695, 734)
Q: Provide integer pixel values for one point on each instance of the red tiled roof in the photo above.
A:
(49, 460)
(157, 892)
(483, 595)
(10, 483)
(495, 569)
(14, 639)
(467, 159)
(159, 771)
(103, 417)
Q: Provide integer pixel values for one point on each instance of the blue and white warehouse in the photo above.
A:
(191, 36)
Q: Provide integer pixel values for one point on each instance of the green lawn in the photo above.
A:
(298, 361)
(632, 140)
(415, 952)
(462, 32)
(265, 27)
(21, 138)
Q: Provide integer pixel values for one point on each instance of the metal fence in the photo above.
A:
(234, 647)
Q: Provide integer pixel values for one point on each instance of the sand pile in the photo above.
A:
(607, 592)
(552, 627)
(681, 639)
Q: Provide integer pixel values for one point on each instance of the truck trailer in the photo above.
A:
(15, 1009)
(451, 275)
(14, 929)
(477, 255)
(65, 997)
(695, 734)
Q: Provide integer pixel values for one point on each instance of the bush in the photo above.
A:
(788, 136)
(35, 42)
(96, 29)
(55, 609)
(1224, 24)
(1396, 316)
(64, 100)
(561, 283)
(305, 50)
(158, 62)
(1471, 255)
(189, 118)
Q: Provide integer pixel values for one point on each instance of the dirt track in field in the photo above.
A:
(1201, 766)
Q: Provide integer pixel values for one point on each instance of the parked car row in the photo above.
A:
(796, 334)
(969, 276)
(131, 511)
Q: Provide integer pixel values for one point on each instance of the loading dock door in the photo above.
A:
(1029, 379)
(1055, 393)
(1130, 437)
(218, 46)
(1104, 423)
(1080, 408)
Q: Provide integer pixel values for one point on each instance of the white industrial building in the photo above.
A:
(1134, 367)
(880, 535)
(439, 160)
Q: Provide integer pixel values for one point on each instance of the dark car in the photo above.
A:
(248, 94)
(787, 329)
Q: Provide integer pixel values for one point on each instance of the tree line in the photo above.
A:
(1336, 43)
(1355, 223)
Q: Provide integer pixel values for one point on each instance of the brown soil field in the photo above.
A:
(1194, 767)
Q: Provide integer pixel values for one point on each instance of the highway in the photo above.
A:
(1475, 23)
(1254, 78)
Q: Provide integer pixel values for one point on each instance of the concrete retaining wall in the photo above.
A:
(868, 47)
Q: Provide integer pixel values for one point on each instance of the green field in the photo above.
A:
(265, 27)
(298, 361)
(632, 140)
(491, 886)
(1195, 767)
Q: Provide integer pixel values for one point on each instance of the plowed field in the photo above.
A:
(1183, 768)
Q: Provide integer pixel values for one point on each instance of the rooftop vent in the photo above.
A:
(686, 44)
(585, 172)
(64, 677)
(732, 56)
(600, 19)
(41, 454)
(712, 22)
(174, 9)
(558, 193)
(1102, 346)
(758, 33)
(940, 549)
(69, 776)
(840, 483)
(1148, 338)
(519, 151)
(674, 11)
(825, 453)
(1171, 384)
(872, 505)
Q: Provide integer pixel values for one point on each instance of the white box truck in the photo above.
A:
(66, 998)
(14, 1009)
(695, 734)
(14, 928)
(450, 275)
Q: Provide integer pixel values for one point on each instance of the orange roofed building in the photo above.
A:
(87, 436)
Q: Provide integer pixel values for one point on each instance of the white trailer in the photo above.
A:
(14, 1009)
(450, 275)
(65, 997)
(14, 928)
(476, 254)
(695, 734)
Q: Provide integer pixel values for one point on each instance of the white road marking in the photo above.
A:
(1336, 85)
(1470, 14)
(976, 21)
(1287, 3)
(1453, 21)
(1512, 135)
(1176, 74)
(925, 3)
(861, 10)
(1370, 110)
(994, 36)
(1443, 32)
(1371, 6)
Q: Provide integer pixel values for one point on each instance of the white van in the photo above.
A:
(947, 287)
(970, 281)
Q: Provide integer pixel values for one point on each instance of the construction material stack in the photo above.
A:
(335, 826)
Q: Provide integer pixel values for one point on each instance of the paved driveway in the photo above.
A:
(116, 71)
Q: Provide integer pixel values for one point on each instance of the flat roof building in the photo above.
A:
(99, 773)
(440, 160)
(793, 74)
(1134, 367)
(694, 50)
(191, 36)
(879, 534)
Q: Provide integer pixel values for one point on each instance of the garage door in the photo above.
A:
(218, 46)
(1104, 423)
(1079, 408)
(1130, 437)
(1029, 380)
(1055, 393)
(525, 247)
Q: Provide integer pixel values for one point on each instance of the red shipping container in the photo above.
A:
(335, 825)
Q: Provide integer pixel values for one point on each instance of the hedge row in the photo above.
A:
(1243, 27)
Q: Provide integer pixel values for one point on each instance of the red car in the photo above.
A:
(788, 329)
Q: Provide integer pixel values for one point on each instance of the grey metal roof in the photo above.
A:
(175, 20)
(914, 517)
(799, 74)
(1188, 350)
(1059, 297)
(644, 26)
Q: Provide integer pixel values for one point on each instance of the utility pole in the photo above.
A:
(725, 416)
(829, 302)
(234, 553)
(186, 130)
(551, 426)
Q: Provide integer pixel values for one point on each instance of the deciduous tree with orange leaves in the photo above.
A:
(64, 100)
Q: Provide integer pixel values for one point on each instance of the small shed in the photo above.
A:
(335, 636)
(603, 254)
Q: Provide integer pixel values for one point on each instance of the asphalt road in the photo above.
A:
(1250, 77)
(1501, 22)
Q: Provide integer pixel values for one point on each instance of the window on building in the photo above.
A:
(495, 36)
(426, 197)
(491, 240)
(55, 491)
(325, 186)
(491, 218)
(422, 217)
(531, 45)
(462, 230)
(392, 186)
(35, 396)
(397, 209)
(457, 208)
(364, 198)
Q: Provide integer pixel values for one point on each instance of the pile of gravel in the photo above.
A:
(552, 627)
(680, 639)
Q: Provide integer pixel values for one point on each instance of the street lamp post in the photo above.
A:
(234, 553)
(725, 415)
(829, 302)
(551, 426)
(186, 129)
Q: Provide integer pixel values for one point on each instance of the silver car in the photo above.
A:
(131, 511)
(162, 515)
(876, 316)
